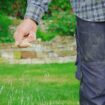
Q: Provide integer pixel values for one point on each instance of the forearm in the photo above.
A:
(36, 8)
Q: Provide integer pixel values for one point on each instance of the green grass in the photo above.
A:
(49, 84)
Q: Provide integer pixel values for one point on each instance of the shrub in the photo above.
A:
(5, 22)
(45, 36)
(62, 23)
(60, 18)
(61, 5)
(13, 7)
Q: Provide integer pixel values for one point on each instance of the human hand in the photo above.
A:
(25, 33)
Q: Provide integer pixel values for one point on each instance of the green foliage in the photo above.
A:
(62, 23)
(45, 36)
(13, 7)
(5, 22)
(61, 5)
(60, 18)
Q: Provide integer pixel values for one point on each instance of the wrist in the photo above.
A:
(31, 20)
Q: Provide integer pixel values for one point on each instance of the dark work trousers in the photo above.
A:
(90, 37)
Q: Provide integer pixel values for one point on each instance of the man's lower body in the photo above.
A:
(90, 38)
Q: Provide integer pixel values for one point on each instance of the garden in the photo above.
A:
(44, 74)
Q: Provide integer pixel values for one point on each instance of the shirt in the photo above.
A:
(90, 10)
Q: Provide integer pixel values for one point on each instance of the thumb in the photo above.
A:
(31, 37)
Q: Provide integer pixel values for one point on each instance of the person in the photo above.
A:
(90, 38)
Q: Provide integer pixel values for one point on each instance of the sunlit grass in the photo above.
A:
(50, 84)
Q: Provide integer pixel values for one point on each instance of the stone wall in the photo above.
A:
(59, 50)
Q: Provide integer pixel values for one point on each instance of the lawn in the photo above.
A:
(49, 84)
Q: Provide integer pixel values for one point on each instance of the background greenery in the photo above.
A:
(59, 20)
(48, 84)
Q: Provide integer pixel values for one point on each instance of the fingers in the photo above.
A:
(23, 41)
(24, 44)
(18, 36)
(26, 41)
(31, 37)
